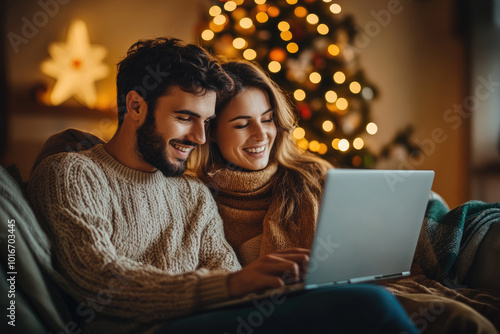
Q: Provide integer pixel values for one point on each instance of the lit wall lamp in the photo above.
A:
(76, 65)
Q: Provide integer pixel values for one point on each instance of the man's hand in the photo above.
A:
(270, 271)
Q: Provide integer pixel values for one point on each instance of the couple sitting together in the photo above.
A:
(125, 223)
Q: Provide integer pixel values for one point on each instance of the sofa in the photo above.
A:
(33, 299)
(40, 306)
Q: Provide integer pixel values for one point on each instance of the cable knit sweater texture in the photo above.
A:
(250, 211)
(138, 245)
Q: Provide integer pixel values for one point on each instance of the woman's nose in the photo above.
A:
(258, 133)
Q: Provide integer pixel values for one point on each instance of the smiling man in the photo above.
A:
(135, 241)
(166, 136)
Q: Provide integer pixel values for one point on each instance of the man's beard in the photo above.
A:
(152, 148)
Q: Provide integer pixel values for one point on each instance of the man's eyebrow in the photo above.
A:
(248, 117)
(187, 112)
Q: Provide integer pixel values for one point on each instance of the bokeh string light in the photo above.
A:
(307, 48)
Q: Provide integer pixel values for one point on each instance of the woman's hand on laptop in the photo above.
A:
(270, 271)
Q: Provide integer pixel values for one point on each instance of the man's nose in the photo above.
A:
(197, 133)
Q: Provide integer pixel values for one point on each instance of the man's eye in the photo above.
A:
(182, 119)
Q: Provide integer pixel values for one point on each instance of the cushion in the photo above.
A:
(39, 307)
(69, 140)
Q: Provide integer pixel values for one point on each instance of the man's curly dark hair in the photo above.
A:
(151, 67)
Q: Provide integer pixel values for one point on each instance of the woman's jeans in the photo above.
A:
(339, 309)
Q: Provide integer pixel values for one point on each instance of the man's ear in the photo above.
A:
(136, 107)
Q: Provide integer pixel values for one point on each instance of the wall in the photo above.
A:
(415, 58)
(485, 84)
(114, 24)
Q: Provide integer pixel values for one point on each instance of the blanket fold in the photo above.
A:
(447, 246)
(449, 239)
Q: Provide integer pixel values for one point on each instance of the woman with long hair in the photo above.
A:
(268, 191)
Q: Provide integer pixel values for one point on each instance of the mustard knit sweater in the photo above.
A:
(131, 244)
(249, 209)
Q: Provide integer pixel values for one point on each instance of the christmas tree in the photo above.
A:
(308, 50)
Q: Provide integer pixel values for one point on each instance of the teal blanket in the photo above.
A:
(449, 239)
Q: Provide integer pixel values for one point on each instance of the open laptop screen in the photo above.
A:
(368, 226)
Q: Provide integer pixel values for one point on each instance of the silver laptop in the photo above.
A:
(367, 229)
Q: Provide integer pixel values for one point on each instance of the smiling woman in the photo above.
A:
(251, 160)
(249, 130)
(268, 191)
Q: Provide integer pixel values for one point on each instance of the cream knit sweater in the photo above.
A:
(133, 244)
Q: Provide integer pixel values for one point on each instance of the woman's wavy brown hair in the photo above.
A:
(298, 171)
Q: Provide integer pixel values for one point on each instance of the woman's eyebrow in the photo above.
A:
(239, 117)
(268, 110)
(248, 117)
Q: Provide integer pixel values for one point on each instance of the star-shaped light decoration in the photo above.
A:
(76, 65)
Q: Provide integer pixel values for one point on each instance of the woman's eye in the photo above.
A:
(268, 120)
(241, 126)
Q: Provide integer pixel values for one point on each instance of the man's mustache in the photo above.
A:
(184, 142)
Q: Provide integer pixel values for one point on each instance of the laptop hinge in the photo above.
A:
(377, 277)
(361, 279)
(404, 273)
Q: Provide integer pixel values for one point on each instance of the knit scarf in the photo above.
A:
(250, 211)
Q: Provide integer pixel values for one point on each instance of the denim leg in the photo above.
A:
(339, 309)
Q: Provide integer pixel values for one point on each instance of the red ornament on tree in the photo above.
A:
(304, 111)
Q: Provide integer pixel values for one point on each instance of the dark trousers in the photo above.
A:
(340, 309)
